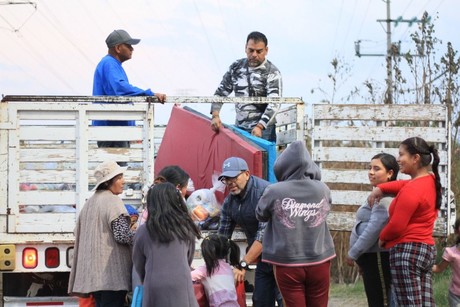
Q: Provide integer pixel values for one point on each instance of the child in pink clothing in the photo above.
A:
(217, 274)
(452, 256)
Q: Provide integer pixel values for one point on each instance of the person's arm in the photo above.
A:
(116, 81)
(439, 268)
(225, 88)
(253, 253)
(121, 230)
(370, 235)
(251, 256)
(447, 257)
(199, 273)
(227, 225)
(392, 187)
(274, 87)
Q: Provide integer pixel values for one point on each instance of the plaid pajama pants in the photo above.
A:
(411, 265)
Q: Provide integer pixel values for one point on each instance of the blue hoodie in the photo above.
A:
(296, 210)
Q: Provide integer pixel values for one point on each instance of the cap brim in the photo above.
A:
(133, 41)
(229, 174)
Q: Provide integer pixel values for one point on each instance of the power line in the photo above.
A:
(392, 48)
(207, 37)
(14, 29)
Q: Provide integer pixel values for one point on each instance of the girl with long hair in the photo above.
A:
(164, 248)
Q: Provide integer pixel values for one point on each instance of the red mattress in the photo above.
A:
(190, 143)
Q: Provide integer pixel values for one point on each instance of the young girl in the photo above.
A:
(217, 274)
(163, 249)
(452, 256)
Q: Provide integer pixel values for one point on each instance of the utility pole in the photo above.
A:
(389, 92)
(392, 49)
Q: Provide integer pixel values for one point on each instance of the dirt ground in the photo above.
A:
(346, 302)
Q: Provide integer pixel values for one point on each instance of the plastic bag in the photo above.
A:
(137, 296)
(203, 204)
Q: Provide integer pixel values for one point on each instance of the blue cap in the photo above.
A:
(232, 167)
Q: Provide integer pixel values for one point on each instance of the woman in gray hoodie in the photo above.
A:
(297, 240)
(374, 261)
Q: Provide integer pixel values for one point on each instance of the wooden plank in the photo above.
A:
(286, 116)
(54, 133)
(46, 222)
(353, 198)
(47, 154)
(47, 198)
(67, 176)
(347, 176)
(380, 112)
(358, 154)
(344, 221)
(344, 176)
(378, 134)
(46, 116)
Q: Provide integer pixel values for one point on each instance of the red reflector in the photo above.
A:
(52, 257)
(29, 258)
(45, 304)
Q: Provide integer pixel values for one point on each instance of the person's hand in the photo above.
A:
(216, 123)
(257, 131)
(382, 243)
(374, 197)
(349, 261)
(238, 275)
(161, 97)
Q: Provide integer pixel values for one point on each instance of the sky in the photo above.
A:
(51, 47)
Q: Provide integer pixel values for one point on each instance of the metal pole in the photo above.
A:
(389, 93)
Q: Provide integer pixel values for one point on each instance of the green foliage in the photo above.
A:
(441, 283)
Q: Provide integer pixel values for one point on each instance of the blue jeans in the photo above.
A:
(265, 290)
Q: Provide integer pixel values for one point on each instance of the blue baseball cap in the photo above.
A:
(232, 167)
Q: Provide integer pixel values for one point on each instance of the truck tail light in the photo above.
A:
(52, 257)
(29, 258)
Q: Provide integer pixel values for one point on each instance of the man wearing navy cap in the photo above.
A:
(239, 209)
(110, 79)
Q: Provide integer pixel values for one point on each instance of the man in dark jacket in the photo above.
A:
(239, 209)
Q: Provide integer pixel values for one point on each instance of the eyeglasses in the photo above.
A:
(229, 180)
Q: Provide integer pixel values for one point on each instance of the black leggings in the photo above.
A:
(375, 268)
(110, 298)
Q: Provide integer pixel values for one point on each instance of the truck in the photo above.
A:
(48, 151)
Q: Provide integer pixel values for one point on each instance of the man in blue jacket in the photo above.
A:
(110, 79)
(239, 209)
